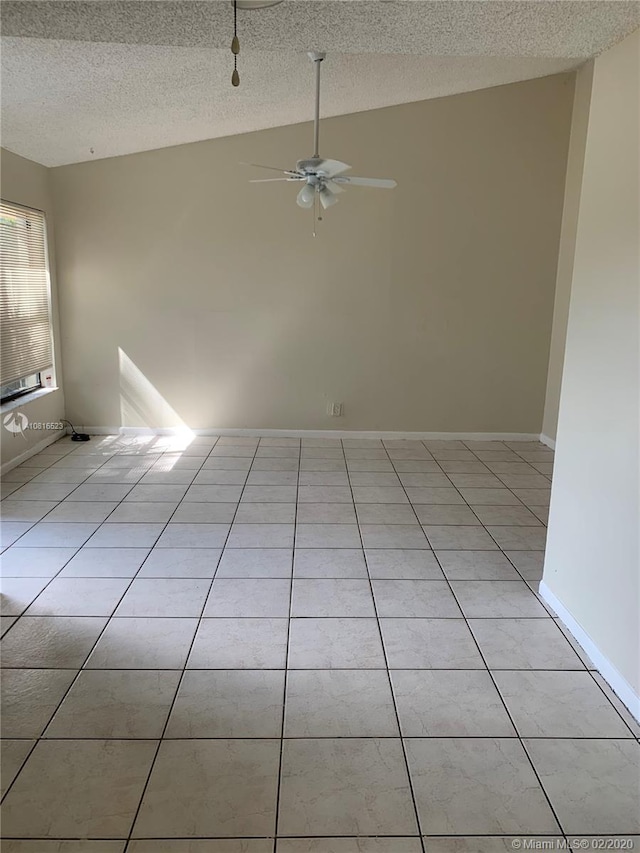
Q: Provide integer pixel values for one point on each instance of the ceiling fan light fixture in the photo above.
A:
(327, 198)
(306, 195)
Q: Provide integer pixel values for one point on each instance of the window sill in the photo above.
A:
(25, 399)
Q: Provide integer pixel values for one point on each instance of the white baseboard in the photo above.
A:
(317, 433)
(550, 442)
(607, 670)
(31, 451)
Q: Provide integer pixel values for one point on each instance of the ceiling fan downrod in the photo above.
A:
(316, 57)
(321, 179)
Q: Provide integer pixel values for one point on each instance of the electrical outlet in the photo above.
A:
(335, 410)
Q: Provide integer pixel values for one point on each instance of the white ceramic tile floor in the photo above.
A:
(245, 645)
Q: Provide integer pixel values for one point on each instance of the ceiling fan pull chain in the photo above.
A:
(235, 46)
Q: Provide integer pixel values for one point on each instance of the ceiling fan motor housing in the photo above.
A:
(310, 166)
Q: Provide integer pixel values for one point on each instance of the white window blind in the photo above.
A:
(25, 321)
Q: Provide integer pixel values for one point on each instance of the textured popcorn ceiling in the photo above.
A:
(129, 76)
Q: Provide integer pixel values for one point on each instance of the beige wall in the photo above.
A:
(25, 182)
(573, 184)
(593, 563)
(190, 296)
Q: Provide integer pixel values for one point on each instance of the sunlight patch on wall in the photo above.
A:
(143, 406)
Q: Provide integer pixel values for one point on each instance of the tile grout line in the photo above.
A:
(484, 527)
(76, 486)
(491, 676)
(61, 501)
(502, 551)
(548, 835)
(615, 708)
(119, 503)
(504, 485)
(426, 581)
(78, 671)
(286, 662)
(586, 669)
(386, 663)
(77, 548)
(149, 549)
(510, 488)
(589, 671)
(507, 711)
(338, 737)
(185, 666)
(90, 651)
(201, 617)
(39, 470)
(452, 485)
(504, 705)
(294, 668)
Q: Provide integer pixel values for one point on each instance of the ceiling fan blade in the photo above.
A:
(381, 183)
(270, 180)
(335, 188)
(331, 167)
(306, 196)
(272, 168)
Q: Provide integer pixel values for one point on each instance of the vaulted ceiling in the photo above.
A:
(119, 76)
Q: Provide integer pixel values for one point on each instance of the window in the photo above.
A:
(20, 386)
(26, 348)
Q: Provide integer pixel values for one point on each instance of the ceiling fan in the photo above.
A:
(322, 179)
